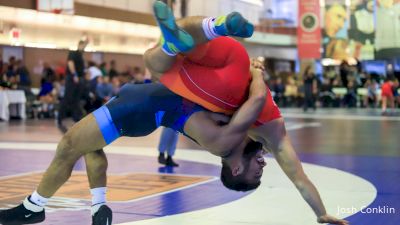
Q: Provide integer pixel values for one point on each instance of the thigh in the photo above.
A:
(85, 136)
(219, 53)
(138, 109)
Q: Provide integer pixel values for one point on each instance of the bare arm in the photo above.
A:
(232, 134)
(287, 159)
(71, 67)
(250, 110)
(290, 164)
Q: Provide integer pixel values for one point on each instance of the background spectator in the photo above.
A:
(113, 69)
(74, 85)
(310, 89)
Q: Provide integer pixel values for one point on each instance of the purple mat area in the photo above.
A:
(213, 193)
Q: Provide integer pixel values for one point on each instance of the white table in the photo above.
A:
(12, 102)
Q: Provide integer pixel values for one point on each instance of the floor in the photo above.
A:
(352, 156)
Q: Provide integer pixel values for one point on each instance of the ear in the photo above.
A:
(237, 170)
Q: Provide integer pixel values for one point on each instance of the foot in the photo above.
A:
(234, 24)
(161, 158)
(103, 216)
(174, 38)
(20, 215)
(170, 162)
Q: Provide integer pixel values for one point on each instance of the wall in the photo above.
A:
(63, 31)
(195, 7)
(144, 6)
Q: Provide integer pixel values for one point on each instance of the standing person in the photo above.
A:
(103, 68)
(168, 141)
(310, 89)
(388, 95)
(113, 70)
(344, 71)
(94, 73)
(73, 86)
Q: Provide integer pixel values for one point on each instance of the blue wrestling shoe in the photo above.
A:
(234, 24)
(174, 39)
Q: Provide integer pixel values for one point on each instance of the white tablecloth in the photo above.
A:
(12, 103)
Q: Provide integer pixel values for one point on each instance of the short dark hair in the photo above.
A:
(236, 183)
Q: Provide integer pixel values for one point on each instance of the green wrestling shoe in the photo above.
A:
(174, 39)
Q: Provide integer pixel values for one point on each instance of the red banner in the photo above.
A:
(309, 30)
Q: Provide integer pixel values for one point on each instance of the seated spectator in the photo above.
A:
(326, 95)
(103, 68)
(93, 73)
(331, 74)
(113, 69)
(116, 85)
(48, 73)
(60, 70)
(11, 69)
(47, 98)
(60, 88)
(22, 74)
(138, 76)
(350, 98)
(371, 99)
(104, 90)
(279, 89)
(291, 92)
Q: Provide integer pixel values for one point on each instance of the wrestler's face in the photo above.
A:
(242, 171)
(254, 163)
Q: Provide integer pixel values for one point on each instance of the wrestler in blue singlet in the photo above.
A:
(139, 109)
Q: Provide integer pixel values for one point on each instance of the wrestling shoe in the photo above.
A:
(20, 215)
(170, 162)
(174, 39)
(103, 216)
(161, 158)
(233, 24)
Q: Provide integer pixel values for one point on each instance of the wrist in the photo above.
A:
(321, 217)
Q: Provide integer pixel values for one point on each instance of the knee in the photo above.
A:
(66, 149)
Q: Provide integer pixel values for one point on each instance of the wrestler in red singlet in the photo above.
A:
(216, 76)
(387, 89)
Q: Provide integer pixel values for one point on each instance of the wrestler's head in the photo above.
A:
(242, 170)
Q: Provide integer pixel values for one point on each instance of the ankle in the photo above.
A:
(95, 208)
(31, 206)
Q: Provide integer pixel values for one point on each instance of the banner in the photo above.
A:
(387, 37)
(335, 36)
(309, 30)
(362, 29)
